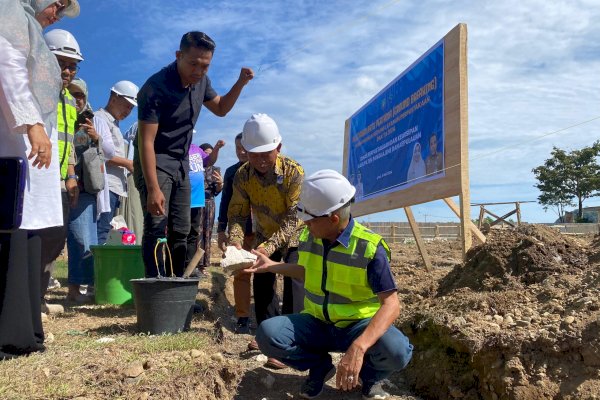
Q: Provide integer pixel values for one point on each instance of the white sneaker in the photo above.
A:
(53, 283)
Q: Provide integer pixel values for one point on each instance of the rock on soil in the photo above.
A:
(518, 320)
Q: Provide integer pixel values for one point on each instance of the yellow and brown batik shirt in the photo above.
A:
(273, 198)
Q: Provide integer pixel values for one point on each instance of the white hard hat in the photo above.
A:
(62, 43)
(126, 89)
(322, 193)
(260, 134)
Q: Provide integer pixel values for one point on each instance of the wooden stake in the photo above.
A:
(480, 236)
(418, 238)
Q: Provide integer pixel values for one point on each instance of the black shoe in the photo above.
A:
(242, 326)
(374, 391)
(313, 385)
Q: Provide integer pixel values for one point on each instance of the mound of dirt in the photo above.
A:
(514, 258)
(519, 320)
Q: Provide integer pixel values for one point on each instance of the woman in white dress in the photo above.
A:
(29, 88)
(417, 164)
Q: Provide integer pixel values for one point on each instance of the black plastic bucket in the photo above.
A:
(164, 305)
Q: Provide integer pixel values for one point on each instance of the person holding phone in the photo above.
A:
(91, 132)
(30, 84)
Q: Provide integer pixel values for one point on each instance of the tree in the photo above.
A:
(568, 176)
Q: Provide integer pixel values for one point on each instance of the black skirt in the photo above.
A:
(21, 330)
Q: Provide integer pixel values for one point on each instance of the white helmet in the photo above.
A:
(260, 134)
(322, 193)
(126, 89)
(62, 43)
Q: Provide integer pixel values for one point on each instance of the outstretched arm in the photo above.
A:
(265, 264)
(221, 105)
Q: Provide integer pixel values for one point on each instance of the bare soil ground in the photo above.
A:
(520, 319)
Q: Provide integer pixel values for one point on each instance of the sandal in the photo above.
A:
(253, 345)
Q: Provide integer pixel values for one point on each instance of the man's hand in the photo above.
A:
(246, 75)
(41, 147)
(72, 191)
(156, 203)
(88, 127)
(261, 250)
(262, 263)
(222, 241)
(220, 143)
(129, 166)
(349, 367)
(218, 179)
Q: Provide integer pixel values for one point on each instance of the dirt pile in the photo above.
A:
(519, 319)
(516, 258)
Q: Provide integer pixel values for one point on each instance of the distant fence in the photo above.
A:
(397, 232)
(576, 229)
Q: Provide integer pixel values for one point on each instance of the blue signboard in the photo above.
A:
(397, 139)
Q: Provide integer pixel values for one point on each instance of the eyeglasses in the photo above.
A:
(78, 95)
(70, 67)
(303, 210)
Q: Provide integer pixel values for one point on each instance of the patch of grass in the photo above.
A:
(60, 270)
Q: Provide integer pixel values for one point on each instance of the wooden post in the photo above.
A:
(518, 205)
(418, 238)
(481, 216)
(393, 233)
(437, 231)
(470, 225)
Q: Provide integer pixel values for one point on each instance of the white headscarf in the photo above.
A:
(22, 30)
(417, 165)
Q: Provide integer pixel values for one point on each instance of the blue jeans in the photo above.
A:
(82, 234)
(106, 217)
(302, 342)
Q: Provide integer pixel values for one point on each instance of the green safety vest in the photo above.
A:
(66, 116)
(337, 289)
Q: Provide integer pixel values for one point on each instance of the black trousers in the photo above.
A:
(21, 330)
(266, 301)
(175, 224)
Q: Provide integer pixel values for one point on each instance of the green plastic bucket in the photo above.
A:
(114, 267)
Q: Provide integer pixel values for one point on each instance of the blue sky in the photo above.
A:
(533, 69)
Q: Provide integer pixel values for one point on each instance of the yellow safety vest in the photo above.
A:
(66, 116)
(337, 289)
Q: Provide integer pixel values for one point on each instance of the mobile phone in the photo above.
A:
(13, 172)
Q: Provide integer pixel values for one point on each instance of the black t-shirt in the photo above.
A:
(163, 100)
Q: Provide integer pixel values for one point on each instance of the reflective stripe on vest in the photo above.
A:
(337, 290)
(66, 116)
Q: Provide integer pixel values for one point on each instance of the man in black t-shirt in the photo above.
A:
(169, 104)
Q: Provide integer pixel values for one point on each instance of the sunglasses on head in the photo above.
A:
(303, 210)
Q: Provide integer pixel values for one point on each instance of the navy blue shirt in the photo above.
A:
(175, 108)
(379, 274)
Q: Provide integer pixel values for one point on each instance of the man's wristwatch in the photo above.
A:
(73, 177)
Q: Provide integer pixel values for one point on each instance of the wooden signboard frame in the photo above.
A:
(455, 181)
